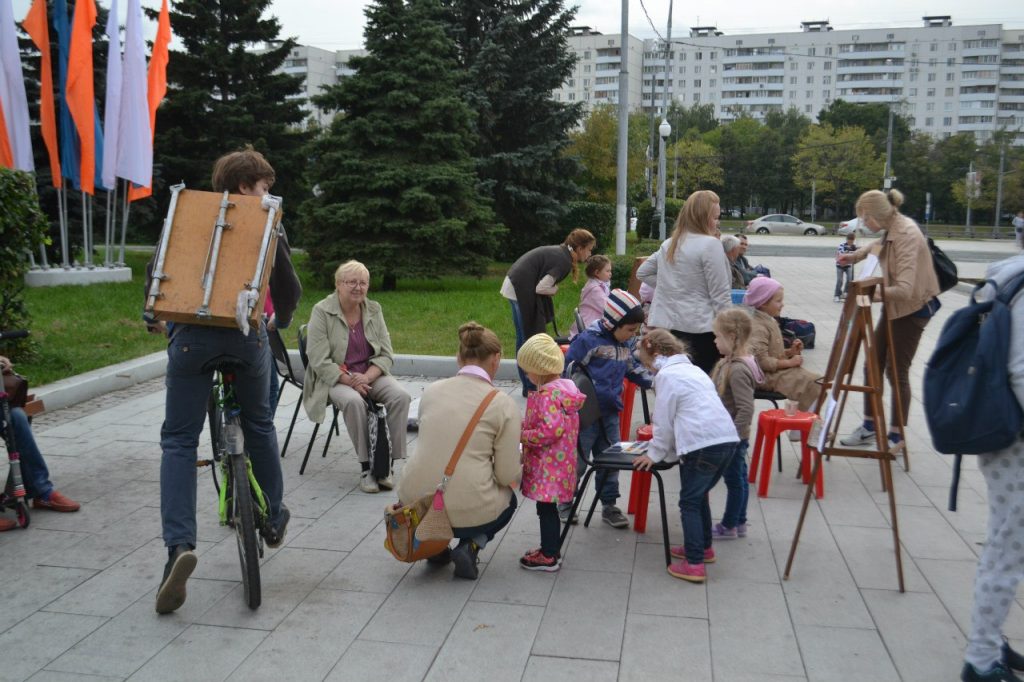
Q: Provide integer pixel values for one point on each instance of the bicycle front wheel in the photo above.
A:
(245, 531)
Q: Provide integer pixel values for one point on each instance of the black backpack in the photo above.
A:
(969, 403)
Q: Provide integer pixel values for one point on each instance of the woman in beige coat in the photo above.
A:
(911, 291)
(782, 367)
(350, 359)
(479, 497)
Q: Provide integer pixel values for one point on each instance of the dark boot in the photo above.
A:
(998, 673)
(1011, 659)
(273, 534)
(180, 564)
(465, 558)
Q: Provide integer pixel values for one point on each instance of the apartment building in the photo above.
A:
(946, 79)
(595, 78)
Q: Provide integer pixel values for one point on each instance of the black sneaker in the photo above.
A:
(1011, 659)
(465, 558)
(180, 564)
(614, 517)
(998, 673)
(274, 535)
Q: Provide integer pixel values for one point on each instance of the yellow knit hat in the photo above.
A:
(541, 355)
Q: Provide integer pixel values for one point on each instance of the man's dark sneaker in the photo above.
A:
(273, 535)
(614, 517)
(465, 557)
(441, 558)
(998, 673)
(1011, 659)
(180, 564)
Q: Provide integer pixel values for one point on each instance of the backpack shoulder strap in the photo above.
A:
(1006, 292)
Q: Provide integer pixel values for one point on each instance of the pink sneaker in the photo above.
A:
(741, 530)
(679, 552)
(720, 532)
(689, 572)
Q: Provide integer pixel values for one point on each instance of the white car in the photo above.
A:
(855, 226)
(783, 223)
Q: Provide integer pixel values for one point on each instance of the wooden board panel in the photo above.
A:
(188, 250)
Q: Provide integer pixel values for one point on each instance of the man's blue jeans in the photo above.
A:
(188, 389)
(735, 477)
(595, 439)
(517, 322)
(34, 473)
(699, 471)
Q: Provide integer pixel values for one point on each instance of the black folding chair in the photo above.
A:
(316, 427)
(289, 375)
(608, 461)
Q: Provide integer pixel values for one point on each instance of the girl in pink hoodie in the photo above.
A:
(550, 430)
(735, 377)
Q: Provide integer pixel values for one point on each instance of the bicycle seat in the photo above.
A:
(223, 363)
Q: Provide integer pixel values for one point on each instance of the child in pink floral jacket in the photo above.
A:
(550, 430)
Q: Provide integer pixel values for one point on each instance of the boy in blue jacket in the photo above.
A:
(605, 350)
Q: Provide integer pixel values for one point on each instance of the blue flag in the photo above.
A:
(66, 134)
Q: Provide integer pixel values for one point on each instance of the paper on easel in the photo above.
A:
(826, 427)
(868, 269)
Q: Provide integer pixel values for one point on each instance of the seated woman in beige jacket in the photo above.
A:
(350, 359)
(479, 497)
(781, 366)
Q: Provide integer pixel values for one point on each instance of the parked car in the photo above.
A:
(783, 223)
(855, 226)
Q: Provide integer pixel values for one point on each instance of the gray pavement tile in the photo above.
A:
(844, 655)
(422, 609)
(570, 669)
(925, 534)
(872, 565)
(116, 541)
(23, 592)
(345, 524)
(215, 651)
(370, 568)
(653, 592)
(287, 578)
(506, 582)
(585, 616)
(920, 636)
(54, 676)
(730, 605)
(308, 643)
(489, 641)
(953, 583)
(39, 639)
(651, 649)
(127, 641)
(599, 547)
(365, 662)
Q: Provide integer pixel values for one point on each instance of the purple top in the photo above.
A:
(357, 356)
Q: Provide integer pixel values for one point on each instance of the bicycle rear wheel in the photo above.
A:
(245, 531)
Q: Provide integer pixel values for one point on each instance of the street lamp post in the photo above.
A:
(970, 193)
(664, 130)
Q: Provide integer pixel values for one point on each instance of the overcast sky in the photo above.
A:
(338, 24)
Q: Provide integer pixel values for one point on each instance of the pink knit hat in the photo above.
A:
(760, 291)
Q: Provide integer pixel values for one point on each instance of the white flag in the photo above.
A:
(135, 137)
(112, 107)
(12, 91)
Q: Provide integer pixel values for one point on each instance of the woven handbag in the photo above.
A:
(421, 529)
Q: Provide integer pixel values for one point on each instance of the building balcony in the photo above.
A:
(610, 59)
(978, 97)
(751, 101)
(753, 59)
(980, 51)
(881, 68)
(865, 99)
(874, 54)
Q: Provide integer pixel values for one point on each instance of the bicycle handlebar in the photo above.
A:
(13, 334)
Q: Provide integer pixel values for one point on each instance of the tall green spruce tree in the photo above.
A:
(222, 95)
(513, 54)
(394, 179)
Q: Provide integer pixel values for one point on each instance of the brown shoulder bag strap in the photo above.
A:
(450, 469)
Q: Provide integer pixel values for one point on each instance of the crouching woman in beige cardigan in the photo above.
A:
(479, 497)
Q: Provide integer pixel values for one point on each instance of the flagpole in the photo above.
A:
(124, 222)
(86, 255)
(108, 232)
(42, 247)
(62, 214)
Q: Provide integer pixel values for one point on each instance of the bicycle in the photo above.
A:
(13, 495)
(242, 504)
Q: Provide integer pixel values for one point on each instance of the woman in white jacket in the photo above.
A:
(690, 273)
(1001, 564)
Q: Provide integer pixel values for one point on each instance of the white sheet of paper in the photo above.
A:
(830, 408)
(868, 269)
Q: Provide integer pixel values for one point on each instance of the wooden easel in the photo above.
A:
(855, 331)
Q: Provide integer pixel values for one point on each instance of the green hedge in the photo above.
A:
(647, 218)
(22, 230)
(590, 215)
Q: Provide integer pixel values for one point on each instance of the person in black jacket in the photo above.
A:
(190, 348)
(532, 283)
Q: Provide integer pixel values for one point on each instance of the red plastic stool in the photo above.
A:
(640, 487)
(770, 424)
(626, 415)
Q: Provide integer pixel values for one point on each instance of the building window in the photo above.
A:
(950, 61)
(572, 96)
(809, 94)
(714, 68)
(933, 61)
(712, 82)
(930, 106)
(934, 47)
(792, 80)
(889, 36)
(586, 82)
(792, 94)
(586, 68)
(807, 108)
(572, 82)
(696, 84)
(929, 122)
(810, 80)
(949, 92)
(714, 56)
(826, 80)
(930, 92)
(827, 94)
(828, 65)
(810, 52)
(696, 97)
(951, 76)
(792, 65)
(931, 78)
(947, 120)
(828, 51)
(586, 54)
(700, 56)
(952, 47)
(696, 69)
(810, 65)
(913, 92)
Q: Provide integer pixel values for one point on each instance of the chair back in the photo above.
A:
(302, 346)
(281, 359)
(579, 321)
(590, 412)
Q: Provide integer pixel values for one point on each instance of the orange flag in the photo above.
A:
(38, 30)
(79, 90)
(157, 83)
(6, 155)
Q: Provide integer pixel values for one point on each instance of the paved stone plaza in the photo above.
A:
(78, 590)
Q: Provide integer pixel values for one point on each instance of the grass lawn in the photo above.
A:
(81, 328)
